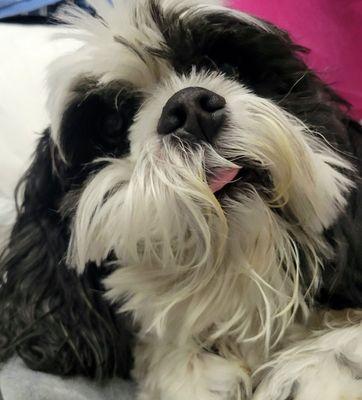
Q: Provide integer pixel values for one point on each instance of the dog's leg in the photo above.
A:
(326, 366)
(166, 372)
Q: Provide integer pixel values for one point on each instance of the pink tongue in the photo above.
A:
(222, 177)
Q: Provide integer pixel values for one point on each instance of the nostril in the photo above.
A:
(173, 119)
(211, 102)
(178, 115)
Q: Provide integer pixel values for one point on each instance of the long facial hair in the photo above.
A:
(182, 251)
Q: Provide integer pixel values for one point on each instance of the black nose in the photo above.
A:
(193, 110)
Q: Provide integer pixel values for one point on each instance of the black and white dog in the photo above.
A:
(197, 199)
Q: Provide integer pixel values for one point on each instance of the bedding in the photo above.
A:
(25, 53)
(9, 8)
(331, 29)
(19, 383)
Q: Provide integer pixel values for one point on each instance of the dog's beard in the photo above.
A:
(161, 213)
(184, 252)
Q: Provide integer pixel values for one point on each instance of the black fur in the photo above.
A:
(96, 122)
(342, 276)
(53, 319)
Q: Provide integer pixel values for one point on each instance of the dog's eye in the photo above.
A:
(112, 127)
(229, 70)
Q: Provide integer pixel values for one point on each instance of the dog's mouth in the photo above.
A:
(223, 180)
(222, 177)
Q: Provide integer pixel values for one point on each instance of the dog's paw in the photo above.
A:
(197, 376)
(222, 379)
(314, 375)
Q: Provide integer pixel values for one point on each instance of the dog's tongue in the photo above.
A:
(222, 177)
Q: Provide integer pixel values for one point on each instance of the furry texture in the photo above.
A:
(323, 364)
(214, 283)
(54, 320)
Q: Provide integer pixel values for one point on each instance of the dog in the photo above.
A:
(192, 214)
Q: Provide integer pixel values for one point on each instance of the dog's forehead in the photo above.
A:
(115, 44)
(113, 41)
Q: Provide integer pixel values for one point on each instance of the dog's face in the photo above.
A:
(198, 125)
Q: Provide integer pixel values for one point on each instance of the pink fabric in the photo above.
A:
(332, 29)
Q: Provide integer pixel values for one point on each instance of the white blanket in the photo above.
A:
(25, 52)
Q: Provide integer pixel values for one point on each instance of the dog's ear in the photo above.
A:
(341, 283)
(54, 320)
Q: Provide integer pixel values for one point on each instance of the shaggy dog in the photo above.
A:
(192, 214)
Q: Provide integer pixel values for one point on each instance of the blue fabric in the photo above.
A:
(17, 382)
(9, 8)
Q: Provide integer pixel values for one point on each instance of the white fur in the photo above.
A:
(200, 374)
(326, 366)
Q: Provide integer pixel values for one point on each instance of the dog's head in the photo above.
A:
(197, 119)
(189, 140)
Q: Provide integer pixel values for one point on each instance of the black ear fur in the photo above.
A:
(342, 276)
(54, 320)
